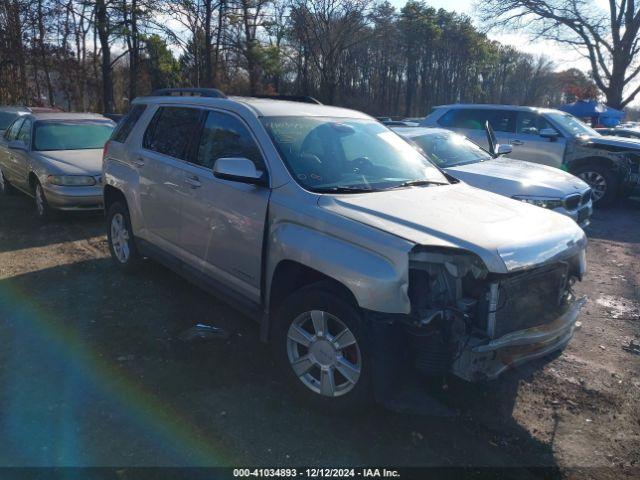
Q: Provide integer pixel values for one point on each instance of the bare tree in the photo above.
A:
(328, 28)
(607, 36)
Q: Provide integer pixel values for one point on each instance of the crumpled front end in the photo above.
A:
(485, 359)
(476, 324)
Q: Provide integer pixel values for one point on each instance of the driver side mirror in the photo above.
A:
(549, 133)
(504, 150)
(17, 145)
(238, 169)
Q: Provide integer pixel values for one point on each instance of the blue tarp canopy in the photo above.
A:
(591, 108)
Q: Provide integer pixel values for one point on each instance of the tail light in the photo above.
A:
(105, 149)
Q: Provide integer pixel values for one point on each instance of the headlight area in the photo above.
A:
(445, 289)
(71, 180)
(457, 306)
(544, 202)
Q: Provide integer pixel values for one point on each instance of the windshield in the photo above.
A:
(78, 135)
(448, 149)
(6, 119)
(571, 124)
(338, 154)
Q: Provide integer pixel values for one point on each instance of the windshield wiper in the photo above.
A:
(345, 189)
(416, 183)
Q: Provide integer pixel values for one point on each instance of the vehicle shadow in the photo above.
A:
(21, 229)
(93, 372)
(617, 223)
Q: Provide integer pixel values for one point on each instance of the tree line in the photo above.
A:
(97, 55)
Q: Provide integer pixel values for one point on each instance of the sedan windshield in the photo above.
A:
(571, 124)
(448, 149)
(71, 135)
(348, 155)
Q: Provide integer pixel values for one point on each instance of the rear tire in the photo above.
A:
(120, 237)
(320, 346)
(603, 182)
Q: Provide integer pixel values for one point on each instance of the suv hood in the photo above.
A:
(611, 141)
(72, 162)
(506, 234)
(507, 176)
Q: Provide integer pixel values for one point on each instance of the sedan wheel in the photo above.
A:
(324, 353)
(597, 182)
(4, 186)
(42, 207)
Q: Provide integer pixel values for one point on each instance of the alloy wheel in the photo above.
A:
(120, 238)
(324, 353)
(597, 182)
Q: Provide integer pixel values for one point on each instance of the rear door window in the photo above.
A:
(503, 120)
(25, 132)
(171, 131)
(125, 126)
(12, 132)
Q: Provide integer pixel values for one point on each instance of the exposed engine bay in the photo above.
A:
(476, 324)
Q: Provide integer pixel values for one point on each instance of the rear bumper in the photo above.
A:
(484, 359)
(74, 198)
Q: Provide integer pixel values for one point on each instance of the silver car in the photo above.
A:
(56, 158)
(360, 260)
(611, 166)
(539, 185)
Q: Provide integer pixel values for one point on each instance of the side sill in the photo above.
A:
(201, 280)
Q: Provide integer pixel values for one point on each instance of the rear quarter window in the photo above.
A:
(125, 126)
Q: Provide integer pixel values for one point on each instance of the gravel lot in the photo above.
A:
(92, 373)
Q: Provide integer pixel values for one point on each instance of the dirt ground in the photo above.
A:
(92, 373)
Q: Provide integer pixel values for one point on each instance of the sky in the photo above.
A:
(563, 57)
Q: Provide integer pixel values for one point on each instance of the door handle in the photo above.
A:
(139, 161)
(517, 142)
(193, 182)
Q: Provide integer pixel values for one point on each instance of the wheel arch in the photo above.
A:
(580, 162)
(32, 179)
(290, 276)
(113, 195)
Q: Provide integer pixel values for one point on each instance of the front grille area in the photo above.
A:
(571, 202)
(528, 299)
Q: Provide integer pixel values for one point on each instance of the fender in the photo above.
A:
(359, 269)
(125, 179)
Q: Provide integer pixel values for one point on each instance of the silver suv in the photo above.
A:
(611, 166)
(360, 260)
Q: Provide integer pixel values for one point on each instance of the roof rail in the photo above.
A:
(188, 92)
(291, 98)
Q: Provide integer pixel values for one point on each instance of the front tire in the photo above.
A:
(5, 186)
(120, 237)
(320, 345)
(603, 183)
(43, 211)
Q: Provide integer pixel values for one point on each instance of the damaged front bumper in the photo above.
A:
(485, 359)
